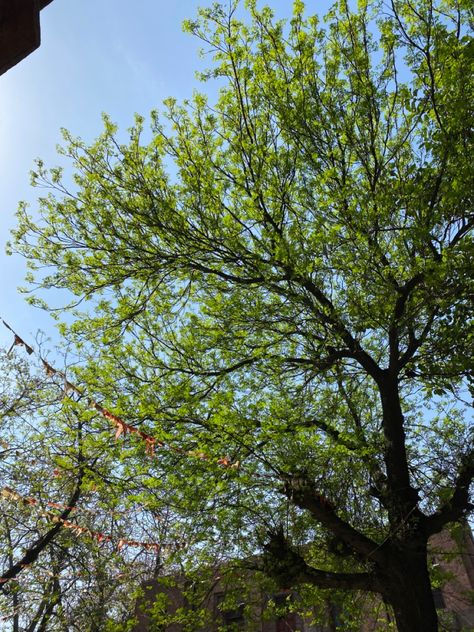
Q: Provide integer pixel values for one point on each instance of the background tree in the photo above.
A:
(71, 524)
(280, 285)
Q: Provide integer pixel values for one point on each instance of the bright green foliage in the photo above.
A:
(50, 444)
(284, 278)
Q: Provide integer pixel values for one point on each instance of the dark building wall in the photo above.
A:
(19, 30)
(152, 592)
(456, 559)
(456, 598)
(235, 618)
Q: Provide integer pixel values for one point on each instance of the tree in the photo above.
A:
(279, 285)
(71, 528)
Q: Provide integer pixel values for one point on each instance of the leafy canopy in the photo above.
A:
(260, 278)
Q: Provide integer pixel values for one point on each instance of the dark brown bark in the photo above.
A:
(289, 569)
(302, 493)
(402, 580)
(407, 588)
(399, 497)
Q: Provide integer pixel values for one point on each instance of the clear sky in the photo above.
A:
(112, 56)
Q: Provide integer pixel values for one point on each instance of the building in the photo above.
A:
(251, 614)
(20, 31)
(453, 562)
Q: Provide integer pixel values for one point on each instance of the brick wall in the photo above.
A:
(454, 557)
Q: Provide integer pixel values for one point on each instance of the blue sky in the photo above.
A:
(118, 57)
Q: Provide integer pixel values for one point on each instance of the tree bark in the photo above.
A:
(408, 590)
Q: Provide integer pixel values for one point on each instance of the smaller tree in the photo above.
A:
(77, 538)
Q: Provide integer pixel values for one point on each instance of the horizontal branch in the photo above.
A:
(226, 276)
(321, 364)
(211, 373)
(289, 569)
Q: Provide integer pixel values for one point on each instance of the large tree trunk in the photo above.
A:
(408, 590)
(405, 580)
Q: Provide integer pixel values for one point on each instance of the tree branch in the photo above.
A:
(34, 551)
(323, 363)
(458, 505)
(331, 318)
(398, 312)
(289, 569)
(302, 492)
